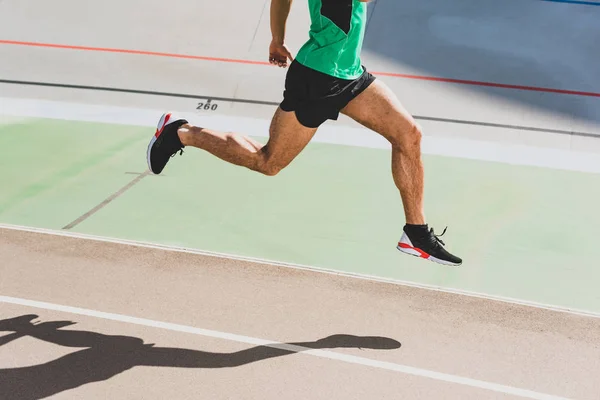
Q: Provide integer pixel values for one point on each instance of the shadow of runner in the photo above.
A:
(105, 356)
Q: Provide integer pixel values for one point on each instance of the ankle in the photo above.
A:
(415, 220)
(416, 229)
(186, 134)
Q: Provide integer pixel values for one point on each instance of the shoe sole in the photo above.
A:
(166, 117)
(415, 253)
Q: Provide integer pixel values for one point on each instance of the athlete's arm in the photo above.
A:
(278, 51)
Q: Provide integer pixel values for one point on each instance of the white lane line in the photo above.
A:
(495, 387)
(516, 153)
(156, 246)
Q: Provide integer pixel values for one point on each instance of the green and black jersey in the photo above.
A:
(335, 39)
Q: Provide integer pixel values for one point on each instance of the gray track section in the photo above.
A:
(545, 351)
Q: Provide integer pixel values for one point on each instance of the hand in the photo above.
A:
(279, 54)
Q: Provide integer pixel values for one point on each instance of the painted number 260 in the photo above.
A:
(208, 106)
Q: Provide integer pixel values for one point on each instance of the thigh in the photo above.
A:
(287, 138)
(378, 109)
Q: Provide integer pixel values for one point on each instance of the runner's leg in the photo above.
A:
(287, 138)
(378, 109)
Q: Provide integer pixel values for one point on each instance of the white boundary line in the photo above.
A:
(495, 387)
(373, 278)
(515, 153)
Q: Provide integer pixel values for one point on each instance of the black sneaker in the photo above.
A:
(425, 244)
(165, 143)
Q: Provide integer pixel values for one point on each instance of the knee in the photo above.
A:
(267, 166)
(408, 139)
(416, 134)
(270, 169)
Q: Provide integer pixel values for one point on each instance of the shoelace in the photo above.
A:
(180, 151)
(436, 238)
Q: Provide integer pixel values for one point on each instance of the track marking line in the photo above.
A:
(106, 201)
(405, 369)
(252, 62)
(131, 51)
(137, 91)
(372, 278)
(584, 3)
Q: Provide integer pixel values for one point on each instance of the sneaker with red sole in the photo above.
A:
(165, 143)
(426, 244)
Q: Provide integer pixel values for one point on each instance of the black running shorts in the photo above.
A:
(317, 97)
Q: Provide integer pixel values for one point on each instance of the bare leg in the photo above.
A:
(287, 139)
(378, 109)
